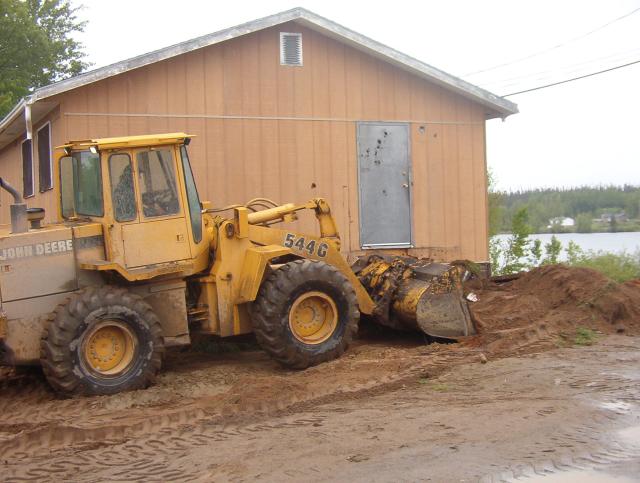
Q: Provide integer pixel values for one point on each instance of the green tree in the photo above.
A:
(36, 46)
(495, 205)
(518, 243)
(583, 223)
(574, 253)
(536, 252)
(552, 251)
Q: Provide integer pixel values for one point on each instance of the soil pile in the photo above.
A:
(548, 305)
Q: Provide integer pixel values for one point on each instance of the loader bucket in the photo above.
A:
(415, 294)
(444, 315)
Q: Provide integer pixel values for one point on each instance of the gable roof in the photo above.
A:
(497, 106)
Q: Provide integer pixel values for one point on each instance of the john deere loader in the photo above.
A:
(137, 263)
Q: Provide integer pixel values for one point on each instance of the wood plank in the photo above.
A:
(467, 217)
(156, 97)
(402, 94)
(270, 160)
(420, 186)
(451, 178)
(316, 46)
(269, 62)
(386, 91)
(235, 176)
(252, 160)
(353, 83)
(337, 84)
(137, 86)
(369, 88)
(214, 80)
(251, 75)
(480, 193)
(99, 95)
(233, 81)
(302, 78)
(215, 188)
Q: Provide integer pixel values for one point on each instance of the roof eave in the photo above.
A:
(498, 106)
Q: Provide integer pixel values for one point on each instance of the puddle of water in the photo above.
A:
(619, 406)
(581, 476)
(631, 435)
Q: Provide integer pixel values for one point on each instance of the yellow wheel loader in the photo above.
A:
(138, 263)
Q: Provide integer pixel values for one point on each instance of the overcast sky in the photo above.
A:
(583, 132)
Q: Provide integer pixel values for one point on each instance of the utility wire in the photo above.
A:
(619, 56)
(535, 54)
(573, 79)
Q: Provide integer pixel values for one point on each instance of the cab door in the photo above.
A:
(152, 224)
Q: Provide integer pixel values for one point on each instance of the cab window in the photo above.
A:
(67, 205)
(157, 181)
(88, 184)
(195, 210)
(122, 190)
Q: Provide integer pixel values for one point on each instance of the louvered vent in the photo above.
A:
(290, 49)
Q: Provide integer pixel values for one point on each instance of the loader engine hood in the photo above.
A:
(36, 263)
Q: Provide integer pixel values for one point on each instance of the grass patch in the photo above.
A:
(434, 386)
(585, 336)
(440, 387)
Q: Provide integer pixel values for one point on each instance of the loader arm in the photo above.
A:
(314, 248)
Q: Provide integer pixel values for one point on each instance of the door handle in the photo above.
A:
(405, 185)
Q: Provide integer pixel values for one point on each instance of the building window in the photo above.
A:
(44, 158)
(27, 169)
(290, 49)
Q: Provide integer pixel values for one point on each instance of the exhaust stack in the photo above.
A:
(19, 222)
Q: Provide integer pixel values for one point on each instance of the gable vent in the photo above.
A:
(290, 49)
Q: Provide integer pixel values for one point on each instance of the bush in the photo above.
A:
(617, 266)
(520, 254)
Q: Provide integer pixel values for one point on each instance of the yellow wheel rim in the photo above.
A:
(313, 317)
(109, 348)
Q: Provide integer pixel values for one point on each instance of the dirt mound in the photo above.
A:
(548, 305)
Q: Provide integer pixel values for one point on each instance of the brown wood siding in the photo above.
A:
(289, 133)
(11, 169)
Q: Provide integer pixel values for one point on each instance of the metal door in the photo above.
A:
(384, 178)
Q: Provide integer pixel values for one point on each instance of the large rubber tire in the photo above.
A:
(63, 353)
(270, 313)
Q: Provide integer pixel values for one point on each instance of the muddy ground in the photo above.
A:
(394, 408)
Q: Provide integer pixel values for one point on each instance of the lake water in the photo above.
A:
(606, 242)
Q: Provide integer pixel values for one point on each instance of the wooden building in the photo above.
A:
(288, 107)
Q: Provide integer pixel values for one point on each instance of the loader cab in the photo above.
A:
(142, 190)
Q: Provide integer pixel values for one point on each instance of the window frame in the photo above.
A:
(25, 194)
(42, 189)
(133, 187)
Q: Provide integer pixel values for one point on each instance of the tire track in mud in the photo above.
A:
(161, 438)
(590, 446)
(175, 432)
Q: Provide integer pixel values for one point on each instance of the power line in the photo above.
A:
(619, 56)
(573, 79)
(535, 54)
